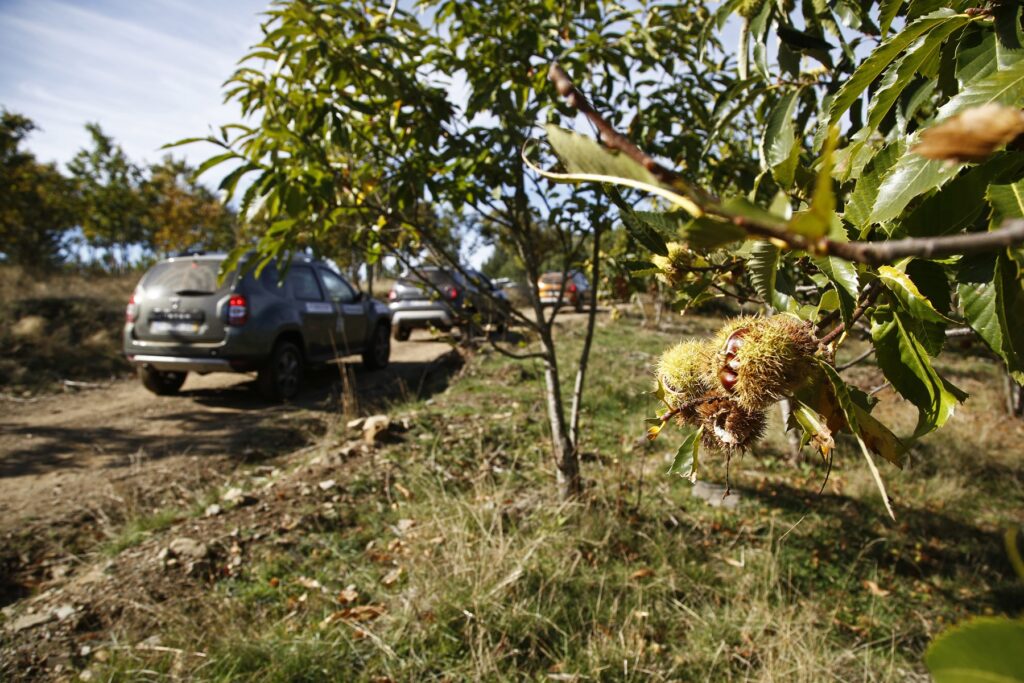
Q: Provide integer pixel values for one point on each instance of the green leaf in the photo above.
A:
(981, 650)
(738, 207)
(1007, 201)
(887, 11)
(640, 268)
(779, 153)
(905, 362)
(991, 293)
(962, 200)
(814, 427)
(587, 161)
(815, 222)
(907, 293)
(1005, 86)
(709, 233)
(975, 55)
(849, 409)
(685, 462)
(901, 73)
(911, 176)
(643, 233)
(763, 268)
(843, 276)
(879, 439)
(213, 161)
(865, 192)
(879, 59)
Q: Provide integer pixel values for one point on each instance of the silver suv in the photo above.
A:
(181, 319)
(443, 299)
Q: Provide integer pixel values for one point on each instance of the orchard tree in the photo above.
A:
(888, 203)
(36, 202)
(112, 208)
(181, 212)
(362, 123)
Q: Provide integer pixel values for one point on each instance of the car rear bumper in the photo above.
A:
(424, 317)
(181, 363)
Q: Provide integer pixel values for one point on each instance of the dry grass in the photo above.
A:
(61, 326)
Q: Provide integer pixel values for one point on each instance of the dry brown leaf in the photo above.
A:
(311, 584)
(361, 613)
(642, 573)
(392, 576)
(875, 589)
(971, 135)
(349, 595)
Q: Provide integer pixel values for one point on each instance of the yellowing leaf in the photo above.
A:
(815, 221)
(587, 161)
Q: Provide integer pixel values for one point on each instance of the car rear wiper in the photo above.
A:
(193, 292)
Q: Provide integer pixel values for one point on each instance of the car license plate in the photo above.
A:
(165, 326)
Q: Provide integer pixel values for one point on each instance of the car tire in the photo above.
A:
(281, 377)
(161, 383)
(378, 353)
(402, 333)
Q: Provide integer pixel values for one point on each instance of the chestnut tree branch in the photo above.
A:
(1010, 234)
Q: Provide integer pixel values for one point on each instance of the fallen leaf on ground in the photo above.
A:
(349, 595)
(362, 613)
(392, 576)
(642, 573)
(875, 589)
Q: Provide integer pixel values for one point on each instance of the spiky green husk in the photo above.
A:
(680, 370)
(672, 268)
(728, 426)
(775, 357)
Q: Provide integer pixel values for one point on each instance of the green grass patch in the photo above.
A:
(451, 557)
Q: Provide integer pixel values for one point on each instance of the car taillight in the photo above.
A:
(453, 293)
(392, 295)
(238, 310)
(131, 311)
(572, 287)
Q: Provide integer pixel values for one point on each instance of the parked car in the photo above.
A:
(181, 319)
(441, 298)
(576, 293)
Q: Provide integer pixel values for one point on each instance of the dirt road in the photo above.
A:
(65, 453)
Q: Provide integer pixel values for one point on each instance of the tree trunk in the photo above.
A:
(566, 458)
(581, 368)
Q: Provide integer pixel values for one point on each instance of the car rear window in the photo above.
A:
(198, 276)
(435, 277)
(551, 278)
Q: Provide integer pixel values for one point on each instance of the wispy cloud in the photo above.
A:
(147, 72)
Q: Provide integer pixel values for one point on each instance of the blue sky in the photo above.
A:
(148, 71)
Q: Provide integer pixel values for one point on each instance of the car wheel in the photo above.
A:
(377, 355)
(402, 333)
(161, 383)
(279, 379)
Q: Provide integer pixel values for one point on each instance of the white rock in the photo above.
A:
(188, 548)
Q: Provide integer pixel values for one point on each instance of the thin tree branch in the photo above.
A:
(870, 294)
(846, 366)
(872, 253)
